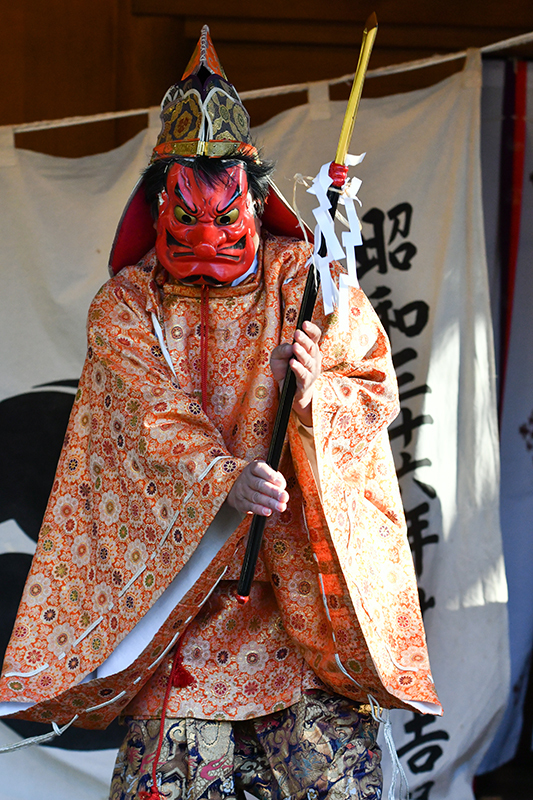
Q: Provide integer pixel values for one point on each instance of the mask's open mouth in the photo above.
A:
(205, 279)
(186, 252)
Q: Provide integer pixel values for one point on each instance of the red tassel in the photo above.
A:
(182, 678)
(180, 675)
(153, 794)
(204, 342)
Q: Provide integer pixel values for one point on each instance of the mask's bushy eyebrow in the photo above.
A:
(237, 193)
(180, 197)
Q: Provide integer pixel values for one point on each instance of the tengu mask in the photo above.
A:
(206, 233)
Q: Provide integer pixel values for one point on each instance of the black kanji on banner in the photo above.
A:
(375, 252)
(387, 247)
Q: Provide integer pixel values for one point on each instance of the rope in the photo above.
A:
(204, 343)
(66, 122)
(179, 677)
(274, 91)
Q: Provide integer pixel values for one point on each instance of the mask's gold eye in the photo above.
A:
(229, 218)
(183, 216)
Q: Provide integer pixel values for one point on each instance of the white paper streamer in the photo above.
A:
(344, 306)
(353, 161)
(325, 229)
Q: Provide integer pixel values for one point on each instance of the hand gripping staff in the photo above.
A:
(308, 303)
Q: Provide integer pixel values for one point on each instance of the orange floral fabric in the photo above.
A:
(243, 662)
(144, 472)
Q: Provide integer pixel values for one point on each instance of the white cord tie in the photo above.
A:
(42, 739)
(382, 715)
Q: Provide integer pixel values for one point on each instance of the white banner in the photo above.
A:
(57, 221)
(423, 265)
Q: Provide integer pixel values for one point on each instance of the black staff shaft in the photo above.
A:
(281, 422)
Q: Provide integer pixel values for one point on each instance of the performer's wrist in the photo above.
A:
(304, 414)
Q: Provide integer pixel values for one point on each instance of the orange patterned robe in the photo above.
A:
(140, 490)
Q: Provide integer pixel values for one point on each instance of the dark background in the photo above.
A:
(67, 57)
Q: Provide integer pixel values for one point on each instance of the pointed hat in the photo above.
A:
(200, 115)
(203, 115)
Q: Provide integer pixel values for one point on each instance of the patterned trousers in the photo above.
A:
(322, 748)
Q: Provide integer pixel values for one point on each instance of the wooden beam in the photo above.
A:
(12, 63)
(292, 33)
(457, 13)
(253, 66)
(67, 71)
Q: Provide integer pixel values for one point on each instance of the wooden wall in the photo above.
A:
(67, 57)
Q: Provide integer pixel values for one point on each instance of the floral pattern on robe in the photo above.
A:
(144, 471)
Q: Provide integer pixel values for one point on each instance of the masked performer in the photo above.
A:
(130, 605)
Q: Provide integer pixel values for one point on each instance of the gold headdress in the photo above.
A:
(203, 115)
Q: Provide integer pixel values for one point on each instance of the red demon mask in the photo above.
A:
(206, 234)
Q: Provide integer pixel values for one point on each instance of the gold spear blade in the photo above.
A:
(369, 35)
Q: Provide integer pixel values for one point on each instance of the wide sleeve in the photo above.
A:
(156, 434)
(356, 396)
(355, 520)
(141, 477)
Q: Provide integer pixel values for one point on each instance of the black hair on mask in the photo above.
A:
(208, 171)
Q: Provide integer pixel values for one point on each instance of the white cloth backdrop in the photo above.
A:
(424, 267)
(57, 221)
